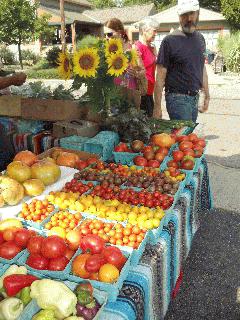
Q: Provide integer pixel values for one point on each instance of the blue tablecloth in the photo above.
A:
(149, 286)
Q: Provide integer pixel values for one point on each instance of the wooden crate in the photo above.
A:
(10, 106)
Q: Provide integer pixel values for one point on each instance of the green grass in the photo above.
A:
(51, 73)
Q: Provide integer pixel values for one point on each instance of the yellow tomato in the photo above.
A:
(108, 273)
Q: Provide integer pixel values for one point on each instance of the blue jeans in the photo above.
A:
(182, 106)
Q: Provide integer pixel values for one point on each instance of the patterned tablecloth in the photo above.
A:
(151, 284)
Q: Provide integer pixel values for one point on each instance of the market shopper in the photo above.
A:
(114, 28)
(148, 53)
(6, 152)
(180, 67)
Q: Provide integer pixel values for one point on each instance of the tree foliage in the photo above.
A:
(103, 3)
(43, 30)
(231, 10)
(214, 5)
(19, 22)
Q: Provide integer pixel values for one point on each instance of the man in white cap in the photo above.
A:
(181, 67)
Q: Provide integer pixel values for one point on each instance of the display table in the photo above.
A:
(149, 287)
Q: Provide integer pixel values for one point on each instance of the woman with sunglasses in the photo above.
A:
(114, 28)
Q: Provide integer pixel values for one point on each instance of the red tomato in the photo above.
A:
(163, 150)
(86, 286)
(9, 234)
(153, 164)
(9, 250)
(147, 149)
(34, 244)
(197, 153)
(192, 137)
(91, 160)
(21, 237)
(37, 261)
(113, 255)
(81, 164)
(53, 247)
(94, 263)
(1, 238)
(187, 164)
(182, 138)
(173, 164)
(140, 161)
(177, 155)
(92, 243)
(159, 157)
(58, 264)
(69, 253)
(201, 143)
(185, 145)
(188, 152)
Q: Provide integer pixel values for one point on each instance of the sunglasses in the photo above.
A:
(109, 34)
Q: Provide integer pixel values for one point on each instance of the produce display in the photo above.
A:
(93, 227)
(36, 210)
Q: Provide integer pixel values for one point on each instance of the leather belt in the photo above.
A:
(187, 92)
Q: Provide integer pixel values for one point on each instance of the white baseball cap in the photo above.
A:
(185, 6)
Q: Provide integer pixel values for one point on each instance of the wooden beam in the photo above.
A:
(73, 26)
(63, 39)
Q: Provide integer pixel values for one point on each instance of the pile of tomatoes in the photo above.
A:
(13, 241)
(130, 196)
(51, 253)
(36, 211)
(64, 219)
(77, 186)
(98, 261)
(116, 234)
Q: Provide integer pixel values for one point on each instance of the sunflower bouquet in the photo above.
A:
(96, 63)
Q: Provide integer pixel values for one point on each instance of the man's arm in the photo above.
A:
(204, 108)
(16, 80)
(159, 85)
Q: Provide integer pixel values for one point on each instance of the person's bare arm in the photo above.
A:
(161, 73)
(205, 90)
(16, 80)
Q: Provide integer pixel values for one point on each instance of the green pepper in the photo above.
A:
(25, 295)
(44, 315)
(84, 297)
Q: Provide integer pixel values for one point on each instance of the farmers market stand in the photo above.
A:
(151, 284)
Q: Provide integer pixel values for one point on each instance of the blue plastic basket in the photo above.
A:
(13, 260)
(125, 157)
(73, 142)
(36, 225)
(102, 144)
(112, 289)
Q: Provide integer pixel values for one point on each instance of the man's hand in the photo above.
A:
(205, 105)
(18, 79)
(157, 112)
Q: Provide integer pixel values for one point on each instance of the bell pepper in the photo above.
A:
(25, 295)
(13, 269)
(44, 315)
(16, 282)
(10, 309)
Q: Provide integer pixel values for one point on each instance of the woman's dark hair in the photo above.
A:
(117, 25)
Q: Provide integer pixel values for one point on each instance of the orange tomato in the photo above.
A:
(118, 235)
(108, 273)
(136, 230)
(132, 238)
(78, 266)
(127, 232)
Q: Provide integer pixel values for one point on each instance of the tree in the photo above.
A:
(104, 3)
(214, 5)
(43, 31)
(231, 10)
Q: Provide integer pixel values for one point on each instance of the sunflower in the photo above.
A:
(117, 64)
(113, 45)
(86, 62)
(64, 65)
(132, 57)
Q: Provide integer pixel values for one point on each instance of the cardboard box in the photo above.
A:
(51, 110)
(82, 154)
(10, 106)
(75, 128)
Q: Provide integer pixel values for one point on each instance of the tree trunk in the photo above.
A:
(63, 39)
(20, 55)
